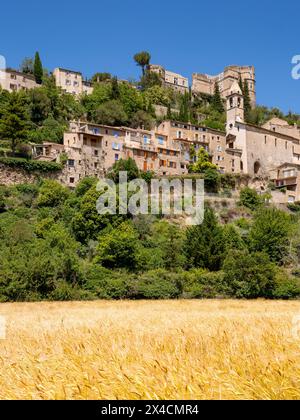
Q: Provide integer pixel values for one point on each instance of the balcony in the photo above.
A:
(286, 182)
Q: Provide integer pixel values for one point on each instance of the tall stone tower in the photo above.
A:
(235, 105)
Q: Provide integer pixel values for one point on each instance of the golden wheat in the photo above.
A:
(150, 350)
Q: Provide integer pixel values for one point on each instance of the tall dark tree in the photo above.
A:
(14, 121)
(38, 68)
(217, 101)
(247, 100)
(115, 91)
(185, 106)
(241, 84)
(143, 60)
(204, 244)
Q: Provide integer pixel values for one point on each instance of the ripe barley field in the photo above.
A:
(151, 350)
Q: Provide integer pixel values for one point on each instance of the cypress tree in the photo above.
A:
(115, 92)
(38, 69)
(241, 84)
(247, 100)
(217, 101)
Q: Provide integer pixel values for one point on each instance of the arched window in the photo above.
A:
(257, 167)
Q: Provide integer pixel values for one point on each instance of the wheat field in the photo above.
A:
(150, 350)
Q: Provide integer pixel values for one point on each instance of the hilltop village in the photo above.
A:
(169, 147)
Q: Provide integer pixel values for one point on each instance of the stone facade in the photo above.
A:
(203, 83)
(170, 79)
(93, 149)
(266, 152)
(72, 82)
(287, 178)
(14, 81)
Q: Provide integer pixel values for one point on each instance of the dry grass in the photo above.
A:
(150, 350)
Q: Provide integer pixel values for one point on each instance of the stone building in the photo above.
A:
(203, 83)
(14, 81)
(93, 149)
(266, 152)
(72, 82)
(213, 141)
(172, 80)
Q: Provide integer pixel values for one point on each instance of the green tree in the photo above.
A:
(38, 69)
(111, 113)
(124, 165)
(51, 194)
(212, 180)
(247, 101)
(270, 233)
(142, 59)
(241, 84)
(204, 244)
(27, 66)
(115, 92)
(249, 198)
(39, 105)
(217, 102)
(101, 77)
(203, 162)
(149, 80)
(87, 223)
(142, 119)
(14, 123)
(232, 239)
(118, 248)
(249, 276)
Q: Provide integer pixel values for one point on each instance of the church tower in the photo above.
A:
(235, 105)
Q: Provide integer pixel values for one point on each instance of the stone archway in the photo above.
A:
(257, 168)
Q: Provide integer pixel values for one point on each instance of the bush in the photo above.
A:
(66, 292)
(248, 275)
(30, 165)
(270, 234)
(107, 284)
(212, 180)
(51, 194)
(249, 198)
(286, 287)
(118, 248)
(157, 284)
(201, 284)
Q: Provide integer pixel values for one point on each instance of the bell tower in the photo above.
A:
(235, 105)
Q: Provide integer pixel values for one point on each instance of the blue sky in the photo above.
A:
(184, 36)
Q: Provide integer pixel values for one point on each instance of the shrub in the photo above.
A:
(31, 165)
(200, 284)
(249, 198)
(286, 287)
(212, 180)
(51, 194)
(107, 284)
(118, 247)
(66, 292)
(248, 275)
(157, 284)
(270, 234)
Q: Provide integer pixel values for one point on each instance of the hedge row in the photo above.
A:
(31, 165)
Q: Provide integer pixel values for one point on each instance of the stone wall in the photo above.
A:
(12, 176)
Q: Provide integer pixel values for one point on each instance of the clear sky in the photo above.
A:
(185, 36)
